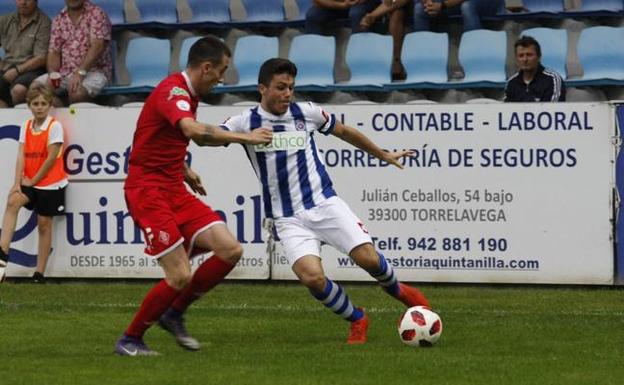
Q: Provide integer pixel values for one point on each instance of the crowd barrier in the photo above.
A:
(506, 193)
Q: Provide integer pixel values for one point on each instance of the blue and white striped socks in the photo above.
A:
(386, 277)
(335, 299)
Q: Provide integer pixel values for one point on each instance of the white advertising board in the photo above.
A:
(495, 193)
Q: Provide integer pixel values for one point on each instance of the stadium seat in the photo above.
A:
(539, 9)
(314, 71)
(114, 9)
(213, 12)
(554, 44)
(483, 101)
(156, 12)
(425, 57)
(593, 8)
(7, 7)
(303, 6)
(146, 74)
(482, 54)
(185, 48)
(249, 54)
(601, 54)
(421, 101)
(49, 7)
(369, 57)
(264, 11)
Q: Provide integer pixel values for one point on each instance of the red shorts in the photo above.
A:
(169, 217)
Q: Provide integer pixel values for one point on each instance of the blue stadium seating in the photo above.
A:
(185, 48)
(264, 11)
(210, 13)
(554, 44)
(157, 13)
(482, 54)
(601, 53)
(594, 8)
(538, 9)
(114, 10)
(369, 57)
(7, 7)
(303, 6)
(249, 54)
(314, 57)
(425, 57)
(50, 7)
(146, 74)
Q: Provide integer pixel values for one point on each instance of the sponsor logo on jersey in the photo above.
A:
(284, 141)
(177, 91)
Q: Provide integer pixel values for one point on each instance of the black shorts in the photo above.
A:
(24, 79)
(47, 203)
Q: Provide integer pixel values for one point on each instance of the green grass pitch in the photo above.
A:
(270, 333)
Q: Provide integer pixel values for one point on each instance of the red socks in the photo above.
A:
(156, 302)
(207, 276)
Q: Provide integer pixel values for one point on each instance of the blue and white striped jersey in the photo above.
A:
(290, 169)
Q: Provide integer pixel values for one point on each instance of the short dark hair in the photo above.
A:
(527, 41)
(208, 48)
(275, 66)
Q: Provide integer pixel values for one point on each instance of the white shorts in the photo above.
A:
(331, 222)
(93, 82)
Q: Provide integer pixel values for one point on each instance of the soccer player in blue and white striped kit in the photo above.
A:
(299, 197)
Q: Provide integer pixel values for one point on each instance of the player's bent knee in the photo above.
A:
(15, 201)
(179, 281)
(233, 253)
(365, 256)
(313, 280)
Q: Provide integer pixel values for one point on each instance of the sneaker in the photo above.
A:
(38, 278)
(4, 260)
(174, 324)
(131, 346)
(357, 333)
(411, 296)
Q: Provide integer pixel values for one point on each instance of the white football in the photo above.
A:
(419, 326)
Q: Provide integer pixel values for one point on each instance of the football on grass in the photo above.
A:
(419, 326)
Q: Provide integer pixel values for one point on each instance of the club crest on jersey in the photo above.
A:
(300, 125)
(177, 91)
(284, 141)
(183, 105)
(163, 237)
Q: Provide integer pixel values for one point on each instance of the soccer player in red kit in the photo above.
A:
(176, 224)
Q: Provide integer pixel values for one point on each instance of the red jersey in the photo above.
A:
(159, 146)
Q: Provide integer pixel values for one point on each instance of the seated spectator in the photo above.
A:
(471, 11)
(396, 14)
(533, 82)
(79, 51)
(24, 35)
(322, 13)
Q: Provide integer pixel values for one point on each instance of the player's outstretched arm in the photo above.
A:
(361, 141)
(209, 135)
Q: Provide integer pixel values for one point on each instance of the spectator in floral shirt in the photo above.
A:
(80, 51)
(24, 35)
